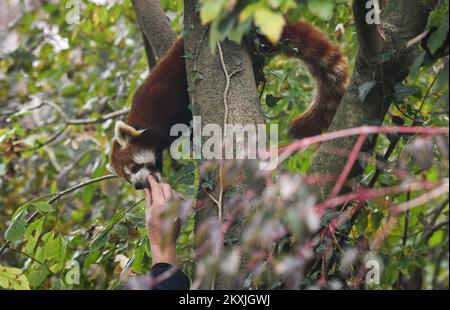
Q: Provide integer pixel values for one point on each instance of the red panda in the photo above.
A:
(163, 101)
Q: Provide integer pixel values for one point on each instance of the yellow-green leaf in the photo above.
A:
(321, 8)
(270, 23)
(211, 9)
(13, 279)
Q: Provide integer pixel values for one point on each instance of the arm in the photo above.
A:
(163, 247)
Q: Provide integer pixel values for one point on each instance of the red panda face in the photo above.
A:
(134, 157)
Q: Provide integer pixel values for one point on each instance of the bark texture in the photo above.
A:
(209, 78)
(155, 25)
(396, 29)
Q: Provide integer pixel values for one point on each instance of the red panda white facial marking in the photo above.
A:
(144, 165)
(139, 179)
(145, 157)
(132, 160)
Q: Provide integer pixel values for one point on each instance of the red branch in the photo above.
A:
(301, 145)
(367, 194)
(348, 167)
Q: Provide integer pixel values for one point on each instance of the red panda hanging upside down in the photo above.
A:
(163, 101)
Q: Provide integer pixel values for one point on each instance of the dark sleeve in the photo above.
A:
(178, 281)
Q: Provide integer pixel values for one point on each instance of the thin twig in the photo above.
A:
(74, 122)
(50, 140)
(349, 166)
(405, 239)
(90, 121)
(57, 197)
(32, 258)
(425, 198)
(430, 88)
(417, 39)
(301, 145)
(9, 113)
(367, 194)
(86, 121)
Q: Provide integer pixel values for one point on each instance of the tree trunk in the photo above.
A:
(216, 81)
(391, 37)
(400, 26)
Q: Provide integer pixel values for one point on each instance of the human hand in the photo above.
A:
(162, 238)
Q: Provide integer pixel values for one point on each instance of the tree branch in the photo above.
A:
(58, 196)
(155, 26)
(369, 36)
(75, 122)
(397, 29)
(98, 120)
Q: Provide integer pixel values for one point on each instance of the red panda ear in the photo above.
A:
(124, 133)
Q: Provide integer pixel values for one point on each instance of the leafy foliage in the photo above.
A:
(52, 71)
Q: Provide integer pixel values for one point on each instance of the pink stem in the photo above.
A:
(367, 194)
(365, 130)
(348, 167)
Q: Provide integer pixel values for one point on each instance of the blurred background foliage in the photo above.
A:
(52, 71)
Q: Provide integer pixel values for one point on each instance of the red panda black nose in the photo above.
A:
(139, 186)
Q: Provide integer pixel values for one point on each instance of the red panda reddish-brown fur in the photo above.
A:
(329, 69)
(158, 104)
(163, 100)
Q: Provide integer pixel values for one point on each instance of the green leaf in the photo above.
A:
(270, 24)
(438, 38)
(210, 10)
(376, 219)
(415, 67)
(43, 207)
(391, 272)
(38, 274)
(250, 10)
(272, 101)
(121, 231)
(32, 235)
(100, 241)
(52, 251)
(138, 259)
(321, 8)
(442, 81)
(103, 14)
(17, 229)
(363, 221)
